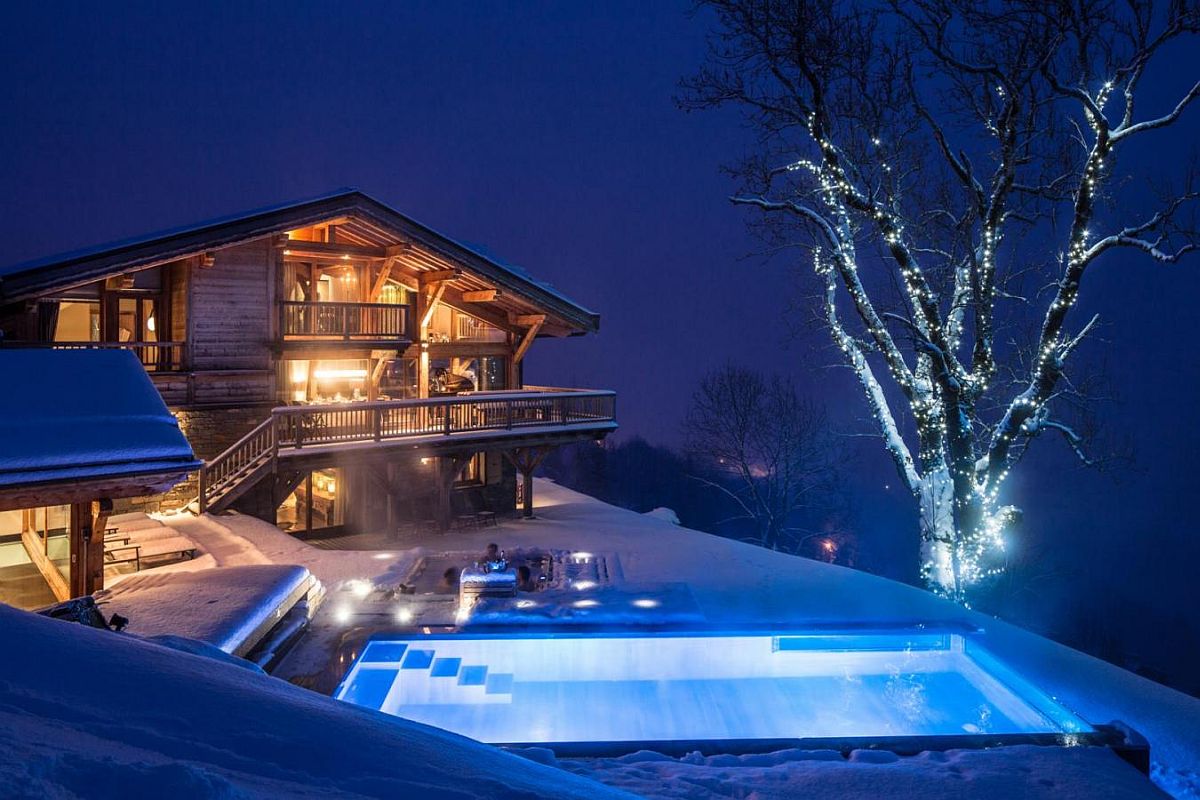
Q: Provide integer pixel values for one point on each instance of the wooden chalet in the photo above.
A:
(78, 431)
(335, 363)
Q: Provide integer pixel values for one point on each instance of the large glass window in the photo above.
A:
(77, 321)
(398, 380)
(327, 381)
(451, 325)
(318, 502)
(137, 319)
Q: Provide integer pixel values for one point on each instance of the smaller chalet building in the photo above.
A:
(66, 454)
(334, 363)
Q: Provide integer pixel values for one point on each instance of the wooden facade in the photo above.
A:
(338, 300)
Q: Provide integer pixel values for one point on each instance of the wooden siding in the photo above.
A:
(178, 275)
(231, 312)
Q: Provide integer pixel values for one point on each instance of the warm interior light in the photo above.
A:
(150, 324)
(328, 374)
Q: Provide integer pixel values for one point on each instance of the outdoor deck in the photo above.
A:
(301, 437)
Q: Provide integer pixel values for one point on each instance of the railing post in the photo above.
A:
(378, 420)
(447, 407)
(508, 409)
(298, 430)
(203, 488)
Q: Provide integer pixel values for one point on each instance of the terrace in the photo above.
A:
(297, 439)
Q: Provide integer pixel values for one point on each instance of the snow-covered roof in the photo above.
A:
(72, 415)
(369, 223)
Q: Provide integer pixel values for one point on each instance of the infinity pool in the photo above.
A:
(576, 688)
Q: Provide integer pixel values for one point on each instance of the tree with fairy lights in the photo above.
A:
(952, 169)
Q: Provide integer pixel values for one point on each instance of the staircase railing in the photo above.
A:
(241, 458)
(296, 427)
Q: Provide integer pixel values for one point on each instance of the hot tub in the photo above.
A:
(597, 693)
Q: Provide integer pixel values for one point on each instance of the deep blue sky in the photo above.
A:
(549, 133)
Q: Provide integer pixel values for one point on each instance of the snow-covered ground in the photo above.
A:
(695, 577)
(86, 713)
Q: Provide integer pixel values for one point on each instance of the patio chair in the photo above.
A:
(484, 516)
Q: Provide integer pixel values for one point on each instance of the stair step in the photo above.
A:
(417, 659)
(445, 668)
(472, 676)
(499, 683)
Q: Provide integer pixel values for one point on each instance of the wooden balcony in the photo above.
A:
(306, 437)
(344, 321)
(485, 412)
(155, 356)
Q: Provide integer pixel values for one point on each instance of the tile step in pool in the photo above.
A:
(593, 693)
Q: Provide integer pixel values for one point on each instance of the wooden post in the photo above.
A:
(87, 550)
(448, 468)
(100, 510)
(308, 503)
(527, 460)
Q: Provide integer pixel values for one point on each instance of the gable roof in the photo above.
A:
(96, 416)
(369, 223)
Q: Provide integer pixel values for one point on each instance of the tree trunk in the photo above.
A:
(938, 533)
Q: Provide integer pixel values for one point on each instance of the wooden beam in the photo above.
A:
(438, 276)
(297, 247)
(434, 297)
(380, 365)
(535, 322)
(385, 272)
(481, 296)
(529, 320)
(66, 491)
(36, 550)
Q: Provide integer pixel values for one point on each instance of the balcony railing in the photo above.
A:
(291, 428)
(155, 356)
(341, 423)
(344, 320)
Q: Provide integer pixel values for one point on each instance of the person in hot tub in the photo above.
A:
(525, 581)
(493, 559)
(449, 581)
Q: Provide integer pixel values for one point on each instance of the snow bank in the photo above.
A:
(90, 713)
(1026, 772)
(221, 607)
(665, 514)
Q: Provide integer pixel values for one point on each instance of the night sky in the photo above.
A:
(549, 133)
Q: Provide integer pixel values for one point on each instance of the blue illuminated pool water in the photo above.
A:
(674, 687)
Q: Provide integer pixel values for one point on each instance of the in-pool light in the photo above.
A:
(361, 588)
(585, 603)
(645, 602)
(583, 586)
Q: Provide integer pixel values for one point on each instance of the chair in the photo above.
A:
(484, 516)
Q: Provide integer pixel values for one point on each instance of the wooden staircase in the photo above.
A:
(239, 468)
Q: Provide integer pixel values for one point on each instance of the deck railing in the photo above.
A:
(155, 356)
(240, 459)
(345, 320)
(301, 426)
(296, 427)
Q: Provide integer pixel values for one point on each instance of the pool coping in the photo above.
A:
(1123, 741)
